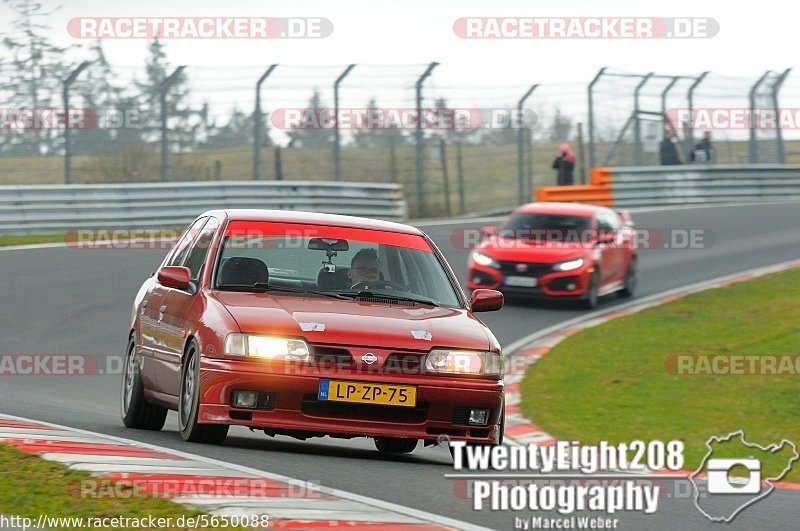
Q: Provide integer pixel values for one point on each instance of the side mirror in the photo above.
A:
(175, 277)
(486, 300)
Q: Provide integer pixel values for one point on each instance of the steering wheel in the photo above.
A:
(378, 284)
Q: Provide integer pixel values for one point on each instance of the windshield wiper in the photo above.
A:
(262, 287)
(354, 295)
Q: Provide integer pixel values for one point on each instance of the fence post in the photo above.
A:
(162, 93)
(637, 125)
(445, 176)
(419, 140)
(591, 115)
(460, 171)
(337, 139)
(753, 91)
(68, 129)
(581, 154)
(278, 164)
(776, 88)
(258, 125)
(689, 137)
(664, 94)
(522, 194)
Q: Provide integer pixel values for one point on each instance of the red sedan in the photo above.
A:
(310, 325)
(559, 251)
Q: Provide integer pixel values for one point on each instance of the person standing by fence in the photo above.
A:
(667, 151)
(564, 165)
(703, 152)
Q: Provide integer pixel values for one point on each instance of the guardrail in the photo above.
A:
(682, 185)
(46, 209)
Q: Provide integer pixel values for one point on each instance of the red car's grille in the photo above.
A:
(328, 357)
(528, 269)
(348, 410)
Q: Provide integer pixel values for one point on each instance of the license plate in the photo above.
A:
(527, 282)
(368, 393)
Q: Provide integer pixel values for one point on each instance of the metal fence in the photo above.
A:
(56, 209)
(616, 119)
(703, 184)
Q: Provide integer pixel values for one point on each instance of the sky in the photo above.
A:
(752, 37)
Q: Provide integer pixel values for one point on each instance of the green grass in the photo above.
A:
(31, 486)
(611, 382)
(7, 240)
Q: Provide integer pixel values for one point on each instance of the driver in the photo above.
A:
(365, 267)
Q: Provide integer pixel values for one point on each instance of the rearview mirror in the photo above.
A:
(175, 277)
(328, 244)
(486, 300)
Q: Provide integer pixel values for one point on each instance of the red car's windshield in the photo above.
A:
(333, 260)
(549, 227)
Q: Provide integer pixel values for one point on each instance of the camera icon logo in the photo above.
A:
(731, 484)
(720, 480)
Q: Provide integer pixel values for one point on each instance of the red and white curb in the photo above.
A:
(522, 354)
(212, 486)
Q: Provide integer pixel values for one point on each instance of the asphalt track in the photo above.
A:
(61, 300)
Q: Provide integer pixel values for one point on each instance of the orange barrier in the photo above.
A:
(600, 176)
(597, 193)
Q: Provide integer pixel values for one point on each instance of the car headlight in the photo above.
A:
(484, 260)
(267, 347)
(464, 362)
(569, 265)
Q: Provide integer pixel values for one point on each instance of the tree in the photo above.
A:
(185, 123)
(238, 131)
(560, 130)
(31, 78)
(311, 131)
(384, 135)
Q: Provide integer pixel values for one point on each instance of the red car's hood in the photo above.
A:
(514, 250)
(354, 322)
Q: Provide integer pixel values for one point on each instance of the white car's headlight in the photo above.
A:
(464, 362)
(569, 265)
(267, 347)
(484, 260)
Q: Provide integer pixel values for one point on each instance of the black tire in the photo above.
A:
(590, 300)
(392, 445)
(189, 401)
(631, 279)
(138, 413)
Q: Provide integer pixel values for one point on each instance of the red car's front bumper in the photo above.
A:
(294, 408)
(556, 284)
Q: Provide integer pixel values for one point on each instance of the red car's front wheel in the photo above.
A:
(189, 403)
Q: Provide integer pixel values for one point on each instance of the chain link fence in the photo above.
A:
(475, 148)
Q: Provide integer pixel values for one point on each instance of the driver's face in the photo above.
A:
(365, 271)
